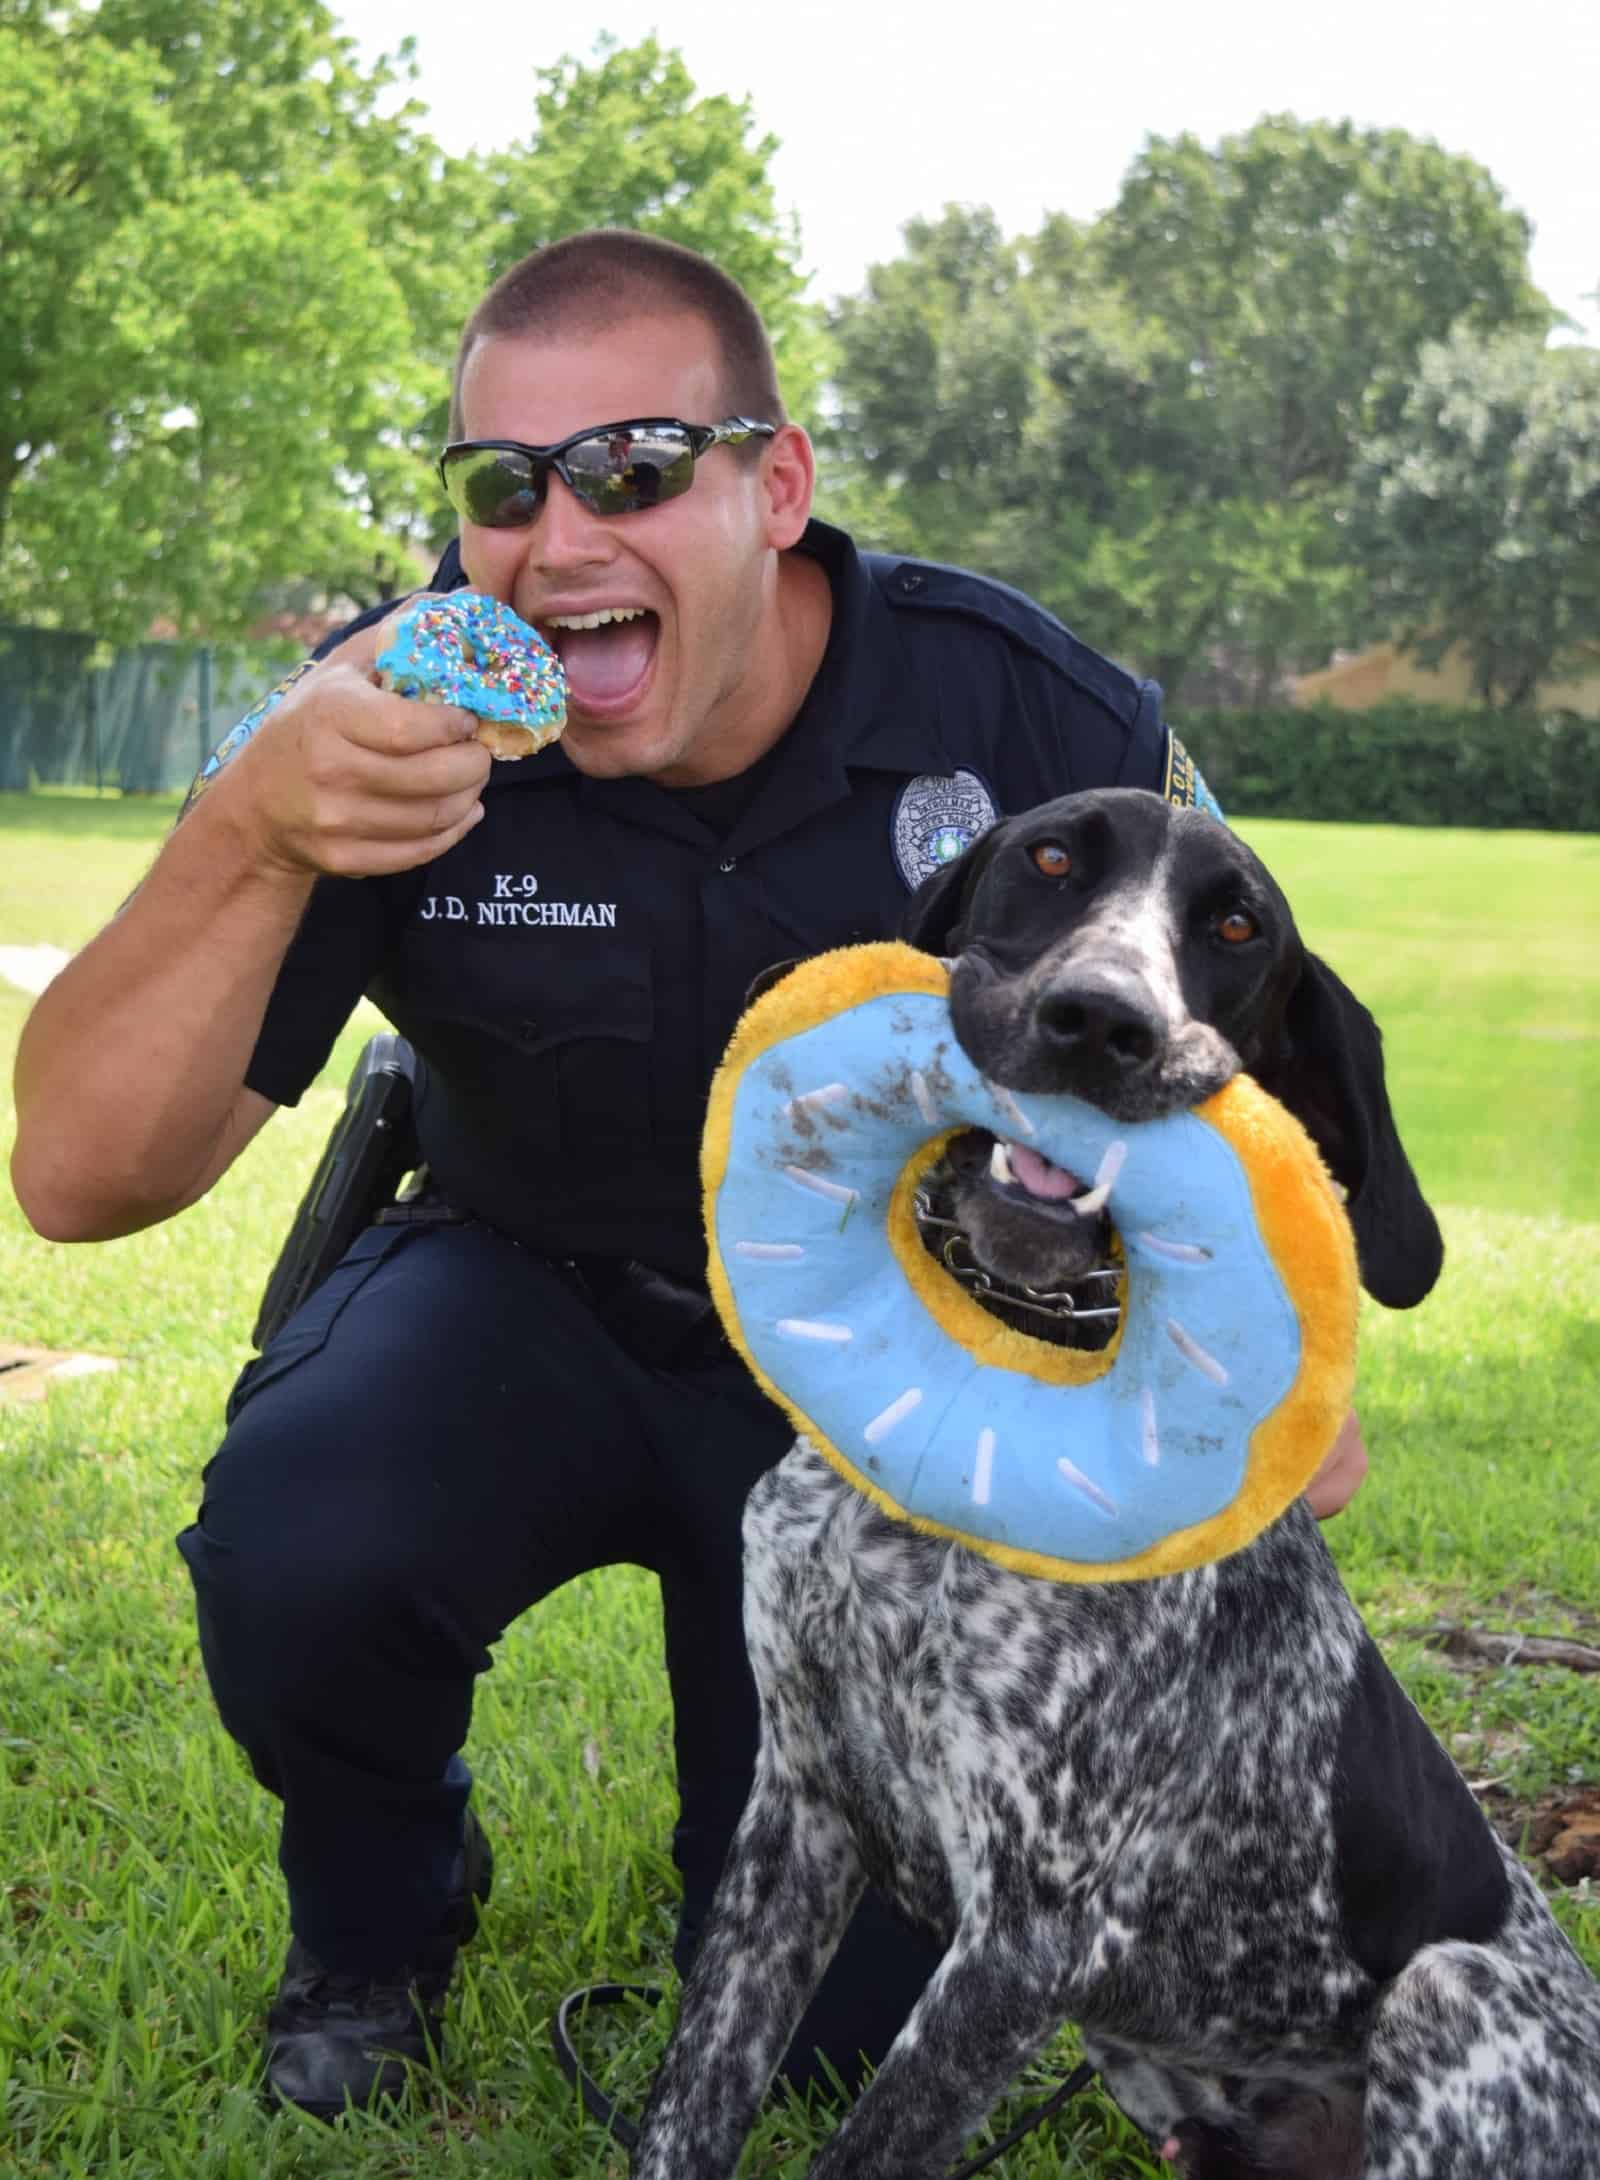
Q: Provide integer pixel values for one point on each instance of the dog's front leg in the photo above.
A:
(992, 2005)
(787, 1891)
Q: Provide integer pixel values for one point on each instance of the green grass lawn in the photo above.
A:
(141, 1920)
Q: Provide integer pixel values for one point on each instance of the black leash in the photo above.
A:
(595, 2101)
(599, 2106)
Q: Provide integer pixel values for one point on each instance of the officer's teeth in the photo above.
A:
(602, 619)
(1000, 1165)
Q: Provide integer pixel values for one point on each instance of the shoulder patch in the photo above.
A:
(1185, 784)
(935, 818)
(236, 737)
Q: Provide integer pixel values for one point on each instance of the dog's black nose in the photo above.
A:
(1093, 1027)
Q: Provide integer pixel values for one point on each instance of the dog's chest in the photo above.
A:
(948, 1707)
(1091, 1747)
(861, 1643)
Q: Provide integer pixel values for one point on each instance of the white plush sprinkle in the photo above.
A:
(1192, 1352)
(835, 1191)
(1087, 1486)
(772, 1252)
(1009, 1106)
(896, 1412)
(807, 1328)
(984, 1471)
(924, 1098)
(1149, 1438)
(831, 1093)
(1181, 1252)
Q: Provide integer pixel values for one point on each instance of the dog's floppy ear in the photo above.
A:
(932, 921)
(1327, 1067)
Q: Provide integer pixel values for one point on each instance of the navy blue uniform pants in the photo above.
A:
(441, 1436)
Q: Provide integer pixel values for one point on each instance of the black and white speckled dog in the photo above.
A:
(1195, 1815)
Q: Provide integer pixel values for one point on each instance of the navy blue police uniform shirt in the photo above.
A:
(571, 971)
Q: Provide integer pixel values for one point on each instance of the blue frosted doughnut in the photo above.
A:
(1233, 1364)
(466, 648)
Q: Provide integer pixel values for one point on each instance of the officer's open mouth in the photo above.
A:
(606, 654)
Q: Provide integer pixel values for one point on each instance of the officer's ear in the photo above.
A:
(933, 917)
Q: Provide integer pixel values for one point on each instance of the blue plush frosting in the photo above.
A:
(823, 1125)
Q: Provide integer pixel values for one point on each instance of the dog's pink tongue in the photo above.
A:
(1039, 1177)
(604, 663)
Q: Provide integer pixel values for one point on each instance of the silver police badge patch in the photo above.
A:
(935, 818)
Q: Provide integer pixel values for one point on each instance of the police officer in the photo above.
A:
(771, 739)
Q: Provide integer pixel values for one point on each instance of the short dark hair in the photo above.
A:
(587, 282)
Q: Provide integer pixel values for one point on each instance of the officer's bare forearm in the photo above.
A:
(130, 1070)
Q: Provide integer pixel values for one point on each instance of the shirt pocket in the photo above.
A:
(539, 1044)
(594, 1033)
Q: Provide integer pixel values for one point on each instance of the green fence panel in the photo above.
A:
(142, 719)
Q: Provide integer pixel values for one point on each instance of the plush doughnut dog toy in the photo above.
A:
(1232, 1366)
(467, 648)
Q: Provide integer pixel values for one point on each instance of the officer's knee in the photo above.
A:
(293, 1583)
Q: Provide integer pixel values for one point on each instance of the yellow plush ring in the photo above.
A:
(1233, 1365)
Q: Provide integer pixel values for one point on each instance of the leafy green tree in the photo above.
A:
(204, 335)
(934, 367)
(1150, 423)
(1480, 512)
(1299, 268)
(625, 140)
(235, 271)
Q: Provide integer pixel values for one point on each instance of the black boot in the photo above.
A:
(335, 2040)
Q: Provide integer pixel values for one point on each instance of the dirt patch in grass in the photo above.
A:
(1559, 1832)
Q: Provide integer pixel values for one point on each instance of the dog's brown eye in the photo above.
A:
(1236, 927)
(1052, 858)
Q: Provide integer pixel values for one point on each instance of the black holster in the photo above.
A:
(369, 1154)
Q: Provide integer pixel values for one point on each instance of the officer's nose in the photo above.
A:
(566, 534)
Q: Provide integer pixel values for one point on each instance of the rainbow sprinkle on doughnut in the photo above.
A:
(469, 649)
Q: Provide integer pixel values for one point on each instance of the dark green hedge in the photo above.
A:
(1402, 764)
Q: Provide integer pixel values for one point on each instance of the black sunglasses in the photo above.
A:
(615, 469)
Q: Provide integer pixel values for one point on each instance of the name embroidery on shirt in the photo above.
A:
(512, 903)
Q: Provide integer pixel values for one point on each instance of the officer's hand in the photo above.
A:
(348, 779)
(1342, 1474)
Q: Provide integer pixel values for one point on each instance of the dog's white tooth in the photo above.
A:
(1000, 1164)
(1096, 1198)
